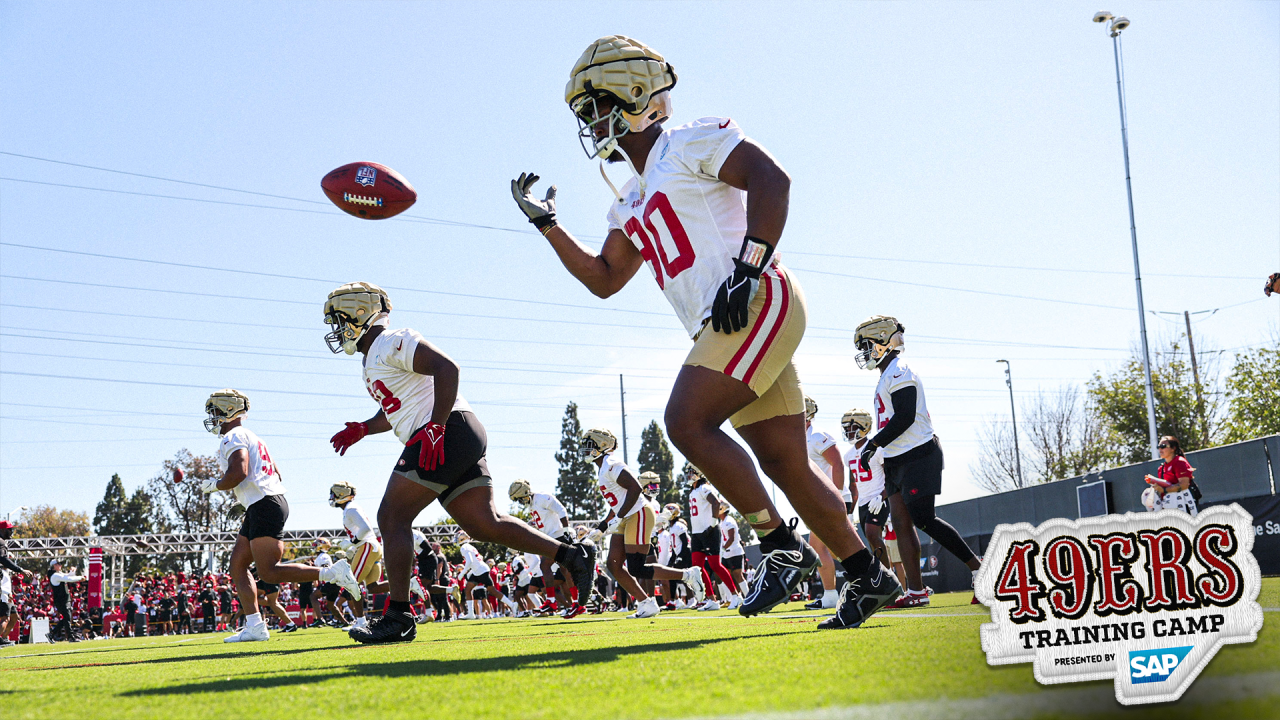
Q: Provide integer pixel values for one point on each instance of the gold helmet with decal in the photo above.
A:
(810, 408)
(875, 338)
(633, 77)
(223, 406)
(341, 493)
(596, 442)
(521, 491)
(350, 311)
(856, 424)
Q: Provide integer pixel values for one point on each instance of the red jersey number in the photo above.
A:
(382, 394)
(537, 520)
(881, 420)
(654, 247)
(609, 497)
(268, 468)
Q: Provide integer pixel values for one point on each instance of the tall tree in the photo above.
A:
(1253, 387)
(655, 456)
(49, 521)
(181, 507)
(576, 486)
(109, 516)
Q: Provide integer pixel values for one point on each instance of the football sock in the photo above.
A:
(779, 536)
(857, 564)
(829, 596)
(573, 594)
(253, 620)
(401, 606)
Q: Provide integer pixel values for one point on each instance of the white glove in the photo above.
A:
(595, 536)
(542, 213)
(344, 544)
(209, 486)
(875, 504)
(613, 525)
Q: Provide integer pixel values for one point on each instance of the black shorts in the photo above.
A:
(304, 593)
(537, 582)
(481, 579)
(684, 559)
(465, 467)
(732, 563)
(4, 611)
(917, 476)
(707, 542)
(848, 507)
(865, 516)
(226, 608)
(268, 588)
(266, 518)
(330, 591)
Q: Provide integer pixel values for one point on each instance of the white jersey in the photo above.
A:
(472, 562)
(262, 480)
(356, 523)
(700, 512)
(419, 541)
(666, 546)
(546, 512)
(735, 548)
(613, 492)
(896, 376)
(532, 567)
(687, 223)
(679, 537)
(6, 585)
(407, 398)
(870, 480)
(819, 442)
(59, 578)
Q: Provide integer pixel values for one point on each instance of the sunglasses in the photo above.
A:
(1162, 446)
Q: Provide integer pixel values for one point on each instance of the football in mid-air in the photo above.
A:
(369, 190)
(178, 474)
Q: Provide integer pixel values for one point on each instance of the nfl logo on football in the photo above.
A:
(366, 176)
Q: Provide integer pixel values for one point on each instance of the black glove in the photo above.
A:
(542, 213)
(729, 311)
(602, 524)
(865, 457)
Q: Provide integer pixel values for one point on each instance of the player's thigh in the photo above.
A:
(404, 497)
(267, 551)
(702, 399)
(241, 554)
(779, 445)
(474, 508)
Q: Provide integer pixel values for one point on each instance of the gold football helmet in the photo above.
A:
(350, 311)
(521, 492)
(223, 406)
(596, 442)
(856, 424)
(876, 337)
(341, 493)
(630, 74)
(692, 475)
(810, 408)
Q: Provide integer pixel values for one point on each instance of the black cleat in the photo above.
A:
(861, 598)
(581, 564)
(291, 627)
(390, 628)
(781, 571)
(815, 605)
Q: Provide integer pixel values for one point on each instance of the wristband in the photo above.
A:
(754, 255)
(544, 222)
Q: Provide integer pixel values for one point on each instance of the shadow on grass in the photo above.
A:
(431, 667)
(190, 658)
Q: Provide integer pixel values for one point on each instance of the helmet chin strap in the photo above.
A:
(612, 148)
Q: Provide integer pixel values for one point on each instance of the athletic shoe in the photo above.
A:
(670, 606)
(580, 561)
(647, 609)
(256, 633)
(815, 605)
(910, 599)
(317, 623)
(861, 598)
(340, 574)
(710, 604)
(291, 627)
(4, 643)
(693, 578)
(391, 627)
(781, 571)
(574, 611)
(546, 608)
(735, 602)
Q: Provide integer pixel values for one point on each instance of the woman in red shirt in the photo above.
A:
(1173, 478)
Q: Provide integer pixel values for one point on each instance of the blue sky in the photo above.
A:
(957, 165)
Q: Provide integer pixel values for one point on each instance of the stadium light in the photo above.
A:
(1116, 26)
(9, 515)
(1013, 413)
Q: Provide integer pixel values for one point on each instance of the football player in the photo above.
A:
(873, 510)
(361, 545)
(824, 453)
(704, 514)
(731, 552)
(249, 473)
(549, 516)
(416, 386)
(630, 523)
(705, 209)
(912, 455)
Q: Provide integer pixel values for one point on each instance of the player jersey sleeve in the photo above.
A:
(231, 442)
(612, 469)
(356, 523)
(901, 377)
(820, 442)
(555, 506)
(402, 351)
(706, 144)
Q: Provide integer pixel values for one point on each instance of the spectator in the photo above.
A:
(1174, 484)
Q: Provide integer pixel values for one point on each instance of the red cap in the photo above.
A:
(5, 525)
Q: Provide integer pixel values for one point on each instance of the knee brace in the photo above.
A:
(480, 593)
(637, 568)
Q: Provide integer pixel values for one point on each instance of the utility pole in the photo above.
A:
(1195, 374)
(1013, 413)
(622, 394)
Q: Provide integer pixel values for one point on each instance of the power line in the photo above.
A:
(993, 266)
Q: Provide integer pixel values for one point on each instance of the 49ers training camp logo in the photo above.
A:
(1146, 599)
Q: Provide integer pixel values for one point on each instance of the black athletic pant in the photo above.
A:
(924, 517)
(63, 629)
(440, 602)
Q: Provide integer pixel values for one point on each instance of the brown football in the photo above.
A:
(178, 474)
(369, 190)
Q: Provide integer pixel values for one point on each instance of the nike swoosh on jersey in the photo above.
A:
(725, 124)
(400, 344)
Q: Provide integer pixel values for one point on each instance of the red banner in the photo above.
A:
(95, 577)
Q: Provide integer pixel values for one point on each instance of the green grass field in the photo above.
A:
(924, 663)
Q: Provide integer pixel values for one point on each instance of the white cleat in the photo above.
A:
(647, 609)
(693, 578)
(709, 605)
(360, 622)
(340, 574)
(734, 602)
(257, 633)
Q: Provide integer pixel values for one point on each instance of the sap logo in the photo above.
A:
(1147, 666)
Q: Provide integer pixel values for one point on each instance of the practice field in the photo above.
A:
(923, 664)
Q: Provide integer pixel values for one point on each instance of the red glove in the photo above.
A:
(348, 436)
(431, 455)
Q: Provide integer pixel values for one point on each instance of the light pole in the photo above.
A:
(9, 515)
(1116, 26)
(1013, 413)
